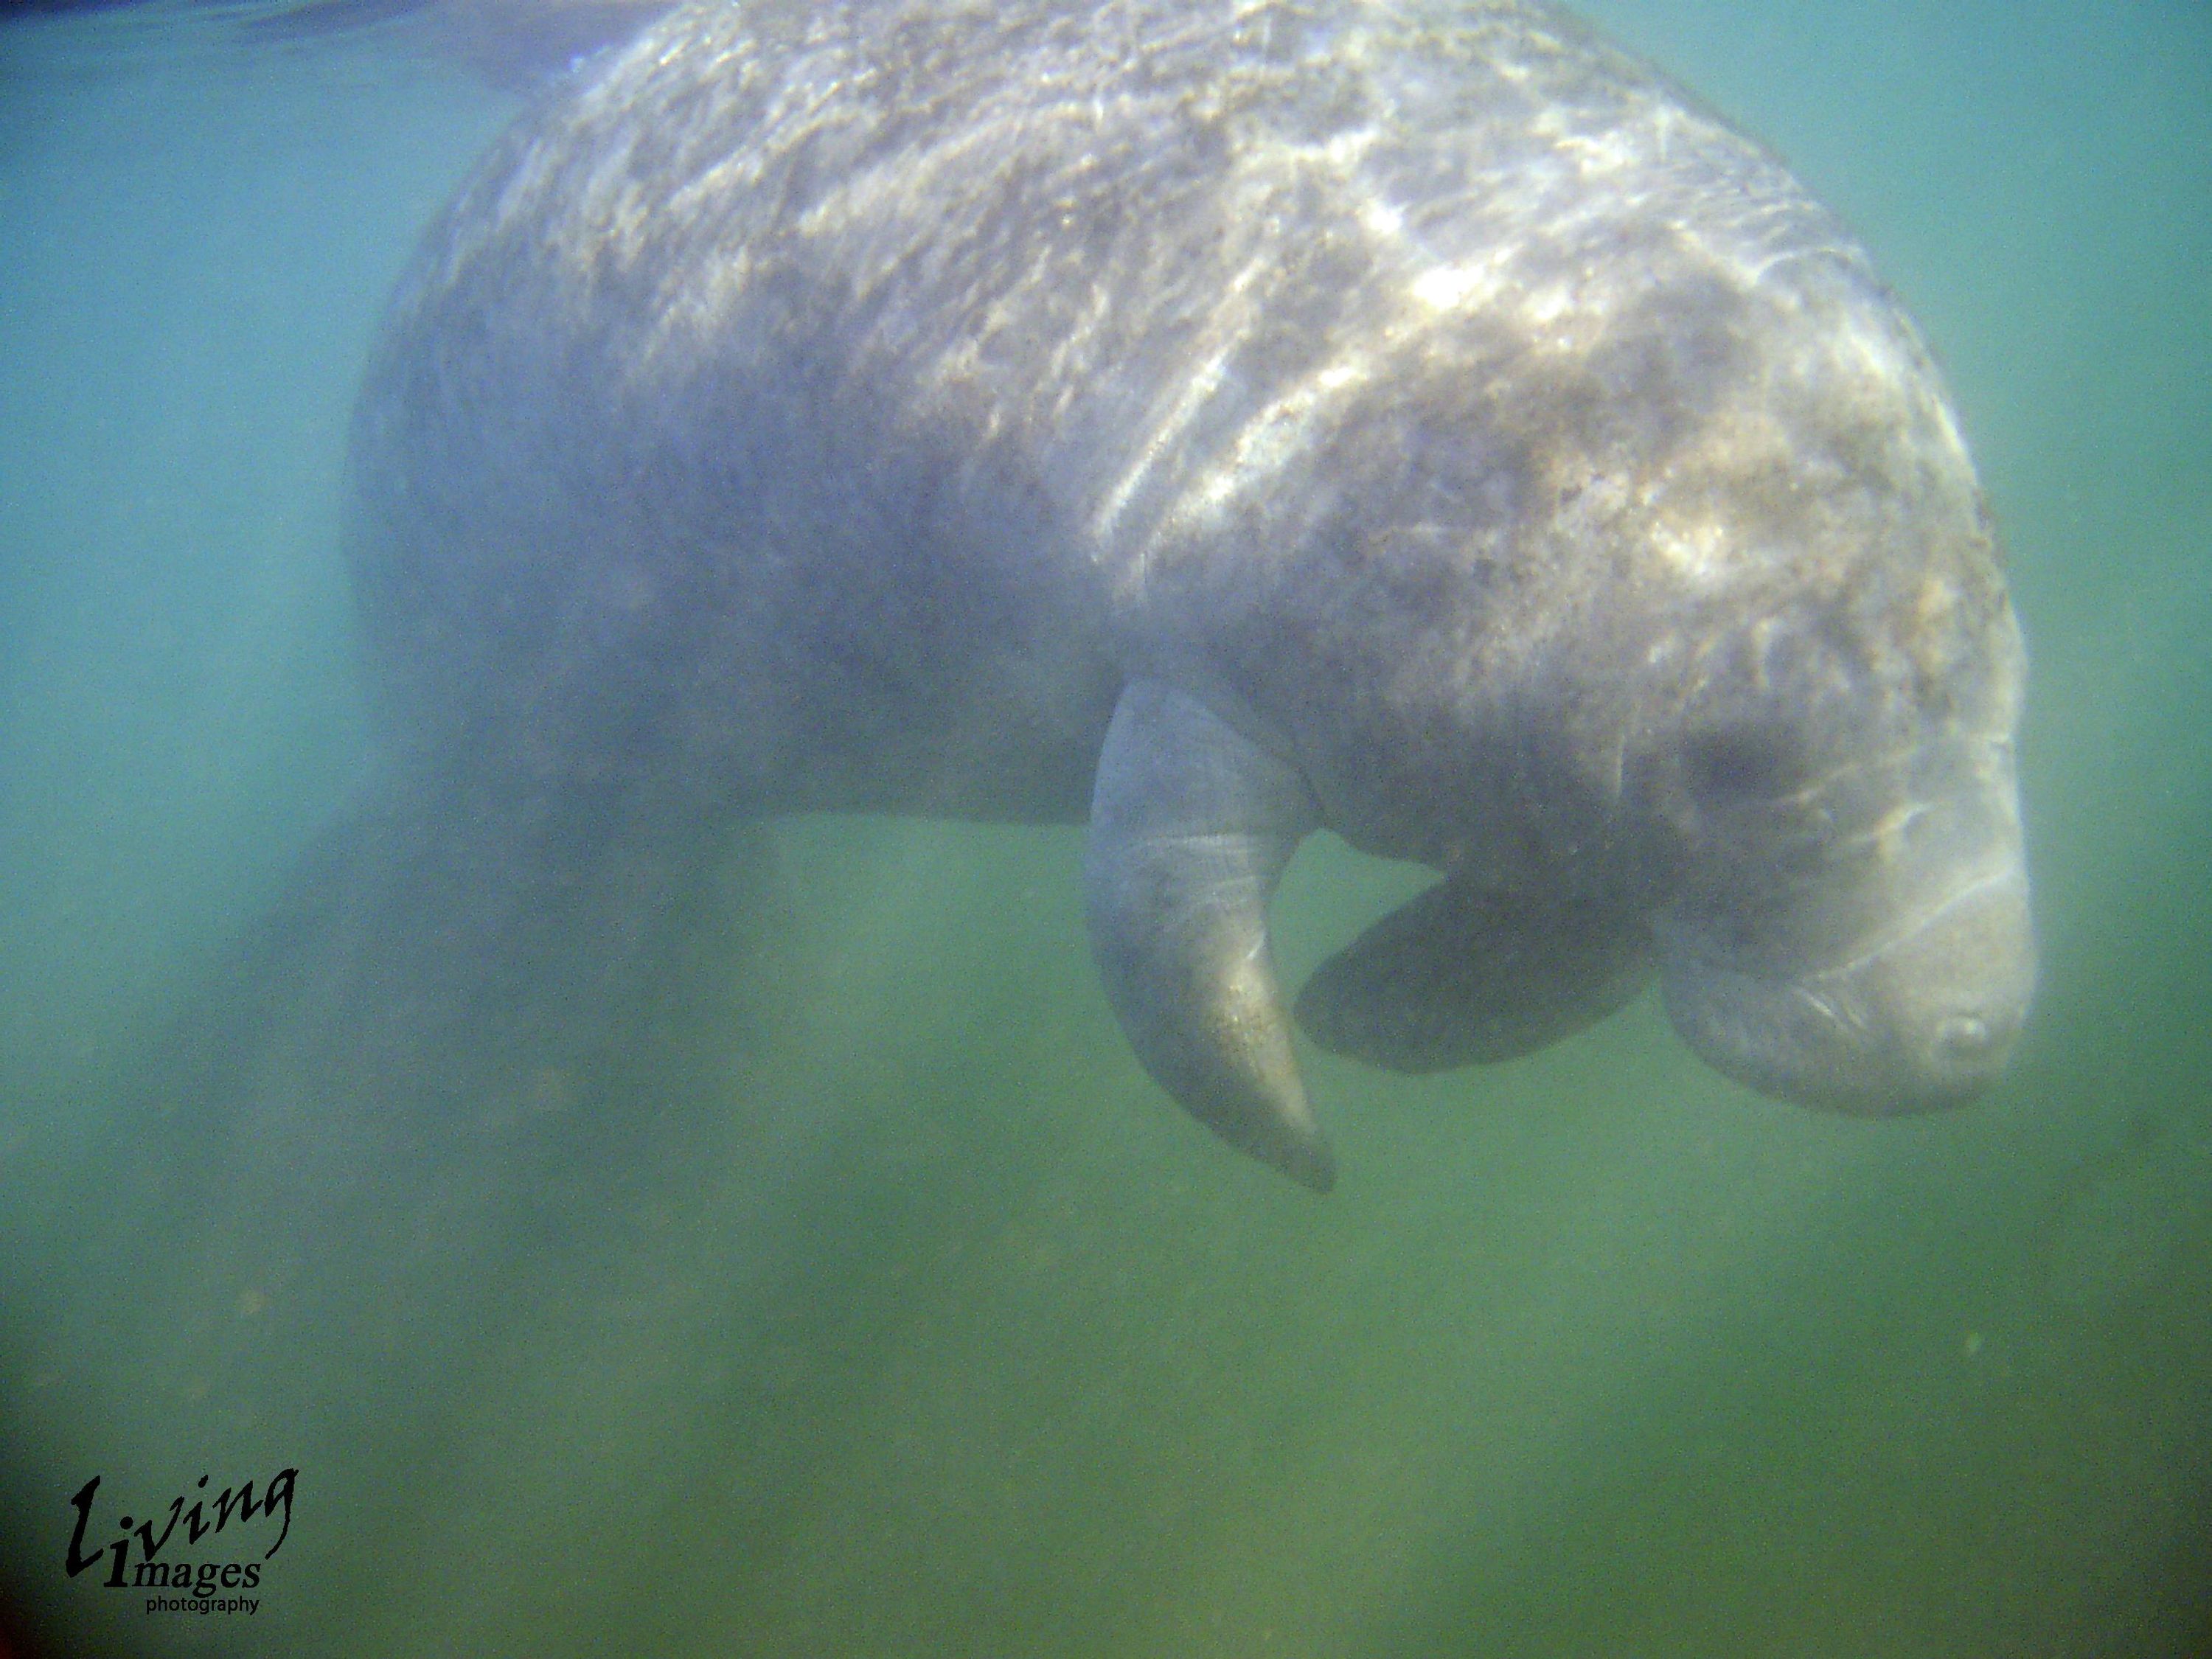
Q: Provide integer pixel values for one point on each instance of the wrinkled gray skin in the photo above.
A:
(1224, 422)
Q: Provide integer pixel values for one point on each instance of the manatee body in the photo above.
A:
(1218, 423)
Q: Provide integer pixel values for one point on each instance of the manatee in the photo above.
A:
(1216, 422)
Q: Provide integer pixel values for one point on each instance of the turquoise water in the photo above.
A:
(885, 1307)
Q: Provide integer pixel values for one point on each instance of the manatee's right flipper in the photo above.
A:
(1459, 975)
(1191, 826)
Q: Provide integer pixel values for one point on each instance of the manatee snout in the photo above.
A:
(1925, 1019)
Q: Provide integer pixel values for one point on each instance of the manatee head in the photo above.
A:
(1851, 926)
(1826, 751)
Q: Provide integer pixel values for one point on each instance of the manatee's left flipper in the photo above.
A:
(1191, 826)
(1459, 975)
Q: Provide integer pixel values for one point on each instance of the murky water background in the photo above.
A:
(885, 1308)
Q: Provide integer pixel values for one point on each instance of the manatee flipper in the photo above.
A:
(1191, 826)
(1459, 975)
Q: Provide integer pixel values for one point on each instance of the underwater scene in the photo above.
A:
(791, 1244)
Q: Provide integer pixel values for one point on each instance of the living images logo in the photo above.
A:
(206, 1571)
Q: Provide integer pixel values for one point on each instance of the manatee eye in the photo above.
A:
(1740, 762)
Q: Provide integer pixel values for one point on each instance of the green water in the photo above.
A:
(886, 1307)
